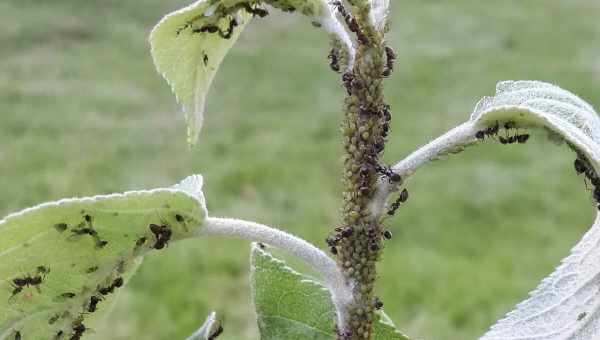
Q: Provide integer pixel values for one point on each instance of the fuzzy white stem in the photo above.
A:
(341, 293)
(452, 141)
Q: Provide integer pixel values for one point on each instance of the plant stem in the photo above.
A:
(452, 141)
(311, 255)
(358, 241)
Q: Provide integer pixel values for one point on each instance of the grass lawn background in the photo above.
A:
(83, 112)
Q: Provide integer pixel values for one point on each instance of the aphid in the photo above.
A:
(118, 282)
(140, 241)
(17, 335)
(333, 250)
(377, 303)
(387, 234)
(43, 269)
(492, 130)
(514, 139)
(261, 245)
(101, 243)
(60, 227)
(403, 197)
(205, 60)
(332, 241)
(390, 59)
(106, 290)
(480, 134)
(333, 60)
(260, 12)
(84, 231)
(78, 329)
(227, 34)
(53, 319)
(88, 218)
(347, 232)
(59, 335)
(179, 218)
(581, 316)
(67, 295)
(94, 300)
(91, 269)
(206, 29)
(374, 247)
(579, 166)
(347, 79)
(522, 138)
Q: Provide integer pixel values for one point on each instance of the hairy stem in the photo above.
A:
(358, 241)
(453, 141)
(340, 292)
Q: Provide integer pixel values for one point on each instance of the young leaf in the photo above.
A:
(61, 262)
(189, 58)
(189, 45)
(290, 305)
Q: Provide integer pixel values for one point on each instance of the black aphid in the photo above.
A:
(60, 227)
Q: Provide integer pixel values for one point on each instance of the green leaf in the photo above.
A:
(189, 45)
(61, 263)
(188, 60)
(290, 305)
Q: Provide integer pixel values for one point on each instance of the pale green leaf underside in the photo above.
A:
(188, 56)
(77, 264)
(566, 304)
(187, 60)
(292, 306)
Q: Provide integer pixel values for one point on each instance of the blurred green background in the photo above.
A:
(83, 112)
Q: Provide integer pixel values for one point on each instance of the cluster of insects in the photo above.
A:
(341, 233)
(216, 29)
(492, 131)
(117, 283)
(402, 198)
(351, 23)
(582, 166)
(224, 12)
(84, 228)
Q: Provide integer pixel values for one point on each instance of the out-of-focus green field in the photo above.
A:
(83, 112)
